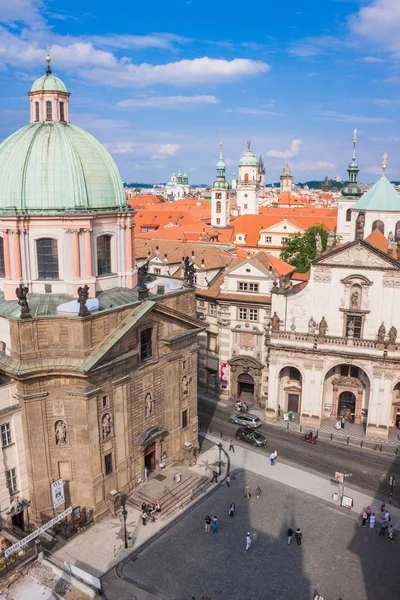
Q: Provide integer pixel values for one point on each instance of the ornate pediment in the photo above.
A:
(358, 256)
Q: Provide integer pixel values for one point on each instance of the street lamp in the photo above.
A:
(219, 459)
(124, 515)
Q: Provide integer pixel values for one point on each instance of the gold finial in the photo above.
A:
(355, 136)
(48, 58)
(384, 162)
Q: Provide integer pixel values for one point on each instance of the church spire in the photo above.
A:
(352, 188)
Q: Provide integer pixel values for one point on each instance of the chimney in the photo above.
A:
(157, 250)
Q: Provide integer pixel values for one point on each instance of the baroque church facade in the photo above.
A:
(97, 393)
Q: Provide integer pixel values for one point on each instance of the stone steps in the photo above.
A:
(173, 498)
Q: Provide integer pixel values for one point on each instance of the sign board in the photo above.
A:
(347, 502)
(57, 493)
(223, 372)
(38, 532)
(339, 477)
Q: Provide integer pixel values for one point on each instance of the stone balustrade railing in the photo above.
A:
(334, 340)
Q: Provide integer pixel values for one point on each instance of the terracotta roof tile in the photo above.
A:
(379, 241)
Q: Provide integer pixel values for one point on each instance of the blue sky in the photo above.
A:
(159, 82)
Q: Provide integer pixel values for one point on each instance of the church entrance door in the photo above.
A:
(150, 458)
(293, 403)
(347, 405)
(246, 388)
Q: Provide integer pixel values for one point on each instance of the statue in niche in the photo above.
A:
(312, 326)
(350, 329)
(392, 335)
(381, 333)
(60, 430)
(148, 404)
(323, 327)
(318, 245)
(355, 299)
(360, 224)
(185, 385)
(106, 425)
(275, 323)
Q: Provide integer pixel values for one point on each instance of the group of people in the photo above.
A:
(369, 517)
(210, 523)
(149, 511)
(241, 406)
(297, 534)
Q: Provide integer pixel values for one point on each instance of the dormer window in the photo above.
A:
(36, 111)
(62, 112)
(49, 111)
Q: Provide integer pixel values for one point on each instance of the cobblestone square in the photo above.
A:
(338, 557)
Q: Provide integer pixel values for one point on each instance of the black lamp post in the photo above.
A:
(219, 459)
(124, 515)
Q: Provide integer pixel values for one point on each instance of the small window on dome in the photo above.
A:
(62, 113)
(47, 258)
(104, 255)
(36, 111)
(49, 111)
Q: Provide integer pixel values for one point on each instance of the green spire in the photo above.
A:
(352, 188)
(221, 182)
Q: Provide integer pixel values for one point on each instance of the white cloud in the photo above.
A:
(379, 22)
(332, 115)
(21, 11)
(168, 102)
(165, 151)
(161, 41)
(313, 166)
(385, 139)
(149, 151)
(373, 169)
(294, 149)
(256, 112)
(372, 59)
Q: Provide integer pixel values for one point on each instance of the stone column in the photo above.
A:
(128, 249)
(271, 409)
(121, 431)
(7, 261)
(17, 256)
(75, 254)
(88, 253)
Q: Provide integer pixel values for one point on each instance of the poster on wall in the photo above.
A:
(223, 372)
(57, 493)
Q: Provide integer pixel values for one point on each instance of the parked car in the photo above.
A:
(246, 419)
(251, 436)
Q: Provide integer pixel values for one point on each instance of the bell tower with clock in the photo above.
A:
(220, 196)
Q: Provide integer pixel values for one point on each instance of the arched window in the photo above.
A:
(104, 254)
(246, 176)
(2, 268)
(397, 231)
(36, 111)
(378, 224)
(348, 215)
(49, 111)
(62, 113)
(47, 258)
(218, 207)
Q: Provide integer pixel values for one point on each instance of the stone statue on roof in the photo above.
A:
(312, 326)
(360, 224)
(188, 272)
(381, 333)
(392, 335)
(21, 293)
(318, 245)
(330, 240)
(391, 242)
(83, 295)
(323, 327)
(275, 323)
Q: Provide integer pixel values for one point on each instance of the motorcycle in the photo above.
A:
(309, 437)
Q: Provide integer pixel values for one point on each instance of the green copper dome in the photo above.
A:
(49, 83)
(248, 159)
(57, 168)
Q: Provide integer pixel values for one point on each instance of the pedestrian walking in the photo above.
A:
(207, 524)
(388, 518)
(249, 540)
(275, 456)
(232, 509)
(228, 481)
(245, 407)
(299, 536)
(279, 410)
(272, 458)
(318, 596)
(383, 528)
(214, 477)
(383, 507)
(144, 518)
(232, 446)
(342, 422)
(290, 533)
(214, 524)
(368, 511)
(391, 533)
(372, 520)
(364, 518)
(247, 492)
(258, 491)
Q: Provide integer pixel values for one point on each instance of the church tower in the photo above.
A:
(220, 196)
(261, 173)
(248, 184)
(286, 179)
(351, 193)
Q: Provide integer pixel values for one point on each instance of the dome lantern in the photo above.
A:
(49, 97)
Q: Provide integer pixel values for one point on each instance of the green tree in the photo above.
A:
(299, 249)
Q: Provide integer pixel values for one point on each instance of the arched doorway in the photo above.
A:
(290, 386)
(246, 388)
(347, 405)
(396, 406)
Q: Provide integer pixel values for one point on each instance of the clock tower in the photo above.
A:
(220, 196)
